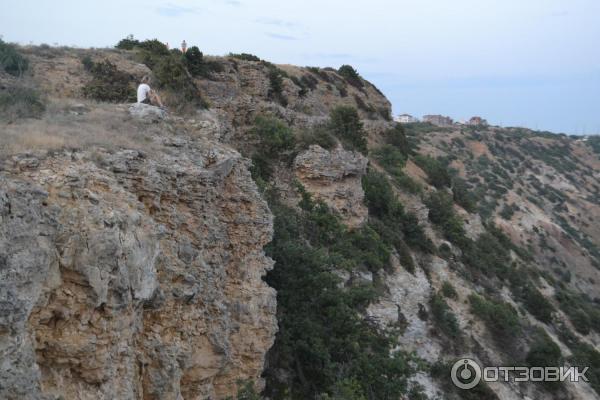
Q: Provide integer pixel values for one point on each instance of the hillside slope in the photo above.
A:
(149, 277)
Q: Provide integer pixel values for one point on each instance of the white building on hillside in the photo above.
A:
(405, 119)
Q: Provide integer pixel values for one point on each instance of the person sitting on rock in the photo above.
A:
(146, 95)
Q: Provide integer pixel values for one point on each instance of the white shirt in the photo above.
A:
(142, 92)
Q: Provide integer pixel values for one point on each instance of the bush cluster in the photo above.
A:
(319, 135)
(324, 345)
(500, 318)
(274, 140)
(171, 70)
(442, 214)
(582, 312)
(436, 170)
(129, 43)
(11, 60)
(108, 83)
(20, 102)
(345, 123)
(351, 76)
(443, 317)
(244, 56)
(198, 66)
(388, 217)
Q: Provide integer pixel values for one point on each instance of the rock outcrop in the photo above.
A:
(126, 275)
(335, 177)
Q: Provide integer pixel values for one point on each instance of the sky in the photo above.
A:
(532, 63)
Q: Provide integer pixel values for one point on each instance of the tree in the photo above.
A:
(345, 123)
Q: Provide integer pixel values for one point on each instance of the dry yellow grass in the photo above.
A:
(105, 125)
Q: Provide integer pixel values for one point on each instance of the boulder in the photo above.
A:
(146, 112)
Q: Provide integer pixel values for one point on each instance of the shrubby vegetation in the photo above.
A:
(388, 217)
(436, 170)
(320, 135)
(449, 291)
(443, 317)
(274, 141)
(108, 83)
(347, 126)
(324, 344)
(500, 318)
(442, 214)
(543, 352)
(244, 56)
(351, 76)
(173, 71)
(129, 43)
(11, 60)
(583, 313)
(20, 102)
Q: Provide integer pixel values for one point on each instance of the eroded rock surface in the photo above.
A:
(335, 177)
(127, 275)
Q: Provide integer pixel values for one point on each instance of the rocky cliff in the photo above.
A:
(131, 245)
(129, 275)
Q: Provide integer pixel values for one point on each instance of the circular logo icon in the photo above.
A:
(466, 373)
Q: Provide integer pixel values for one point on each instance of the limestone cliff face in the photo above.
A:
(127, 275)
(335, 177)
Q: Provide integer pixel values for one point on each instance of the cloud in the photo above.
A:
(235, 3)
(173, 10)
(275, 22)
(280, 36)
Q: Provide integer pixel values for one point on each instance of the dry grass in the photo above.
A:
(105, 125)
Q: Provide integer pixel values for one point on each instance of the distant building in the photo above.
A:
(438, 120)
(406, 119)
(477, 121)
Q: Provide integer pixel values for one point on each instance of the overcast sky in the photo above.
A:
(533, 63)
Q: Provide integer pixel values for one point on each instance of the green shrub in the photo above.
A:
(244, 56)
(543, 352)
(350, 75)
(390, 158)
(20, 102)
(462, 195)
(443, 317)
(108, 83)
(276, 86)
(324, 346)
(441, 213)
(436, 170)
(582, 312)
(360, 103)
(87, 63)
(407, 183)
(449, 291)
(397, 138)
(11, 60)
(537, 304)
(347, 126)
(388, 217)
(319, 135)
(586, 355)
(128, 43)
(487, 255)
(274, 135)
(500, 318)
(170, 68)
